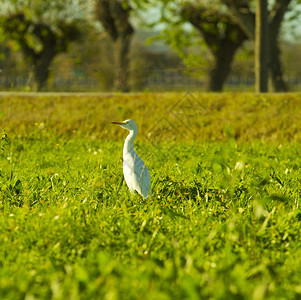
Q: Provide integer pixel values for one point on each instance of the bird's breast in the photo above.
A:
(128, 161)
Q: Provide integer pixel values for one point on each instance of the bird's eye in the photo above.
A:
(125, 123)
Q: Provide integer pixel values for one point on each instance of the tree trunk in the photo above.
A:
(277, 12)
(41, 63)
(114, 15)
(41, 73)
(278, 81)
(221, 69)
(122, 47)
(217, 78)
(223, 52)
(261, 47)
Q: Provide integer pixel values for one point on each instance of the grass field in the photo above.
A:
(224, 220)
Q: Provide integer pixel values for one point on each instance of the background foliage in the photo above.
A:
(88, 59)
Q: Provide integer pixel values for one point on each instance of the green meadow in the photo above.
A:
(223, 221)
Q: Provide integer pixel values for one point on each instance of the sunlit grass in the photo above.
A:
(223, 221)
(273, 117)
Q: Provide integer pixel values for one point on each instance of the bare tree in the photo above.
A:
(114, 16)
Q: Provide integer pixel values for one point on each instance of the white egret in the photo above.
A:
(135, 171)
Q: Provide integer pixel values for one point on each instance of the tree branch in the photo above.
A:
(243, 15)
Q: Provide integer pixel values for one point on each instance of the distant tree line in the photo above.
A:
(42, 30)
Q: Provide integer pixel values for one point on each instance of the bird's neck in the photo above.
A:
(129, 142)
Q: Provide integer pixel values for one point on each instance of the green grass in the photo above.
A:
(224, 220)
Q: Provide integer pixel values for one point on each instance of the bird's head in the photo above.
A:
(127, 124)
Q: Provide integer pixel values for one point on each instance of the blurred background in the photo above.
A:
(147, 45)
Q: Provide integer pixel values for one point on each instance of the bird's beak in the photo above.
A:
(118, 123)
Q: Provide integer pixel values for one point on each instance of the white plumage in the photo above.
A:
(135, 171)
